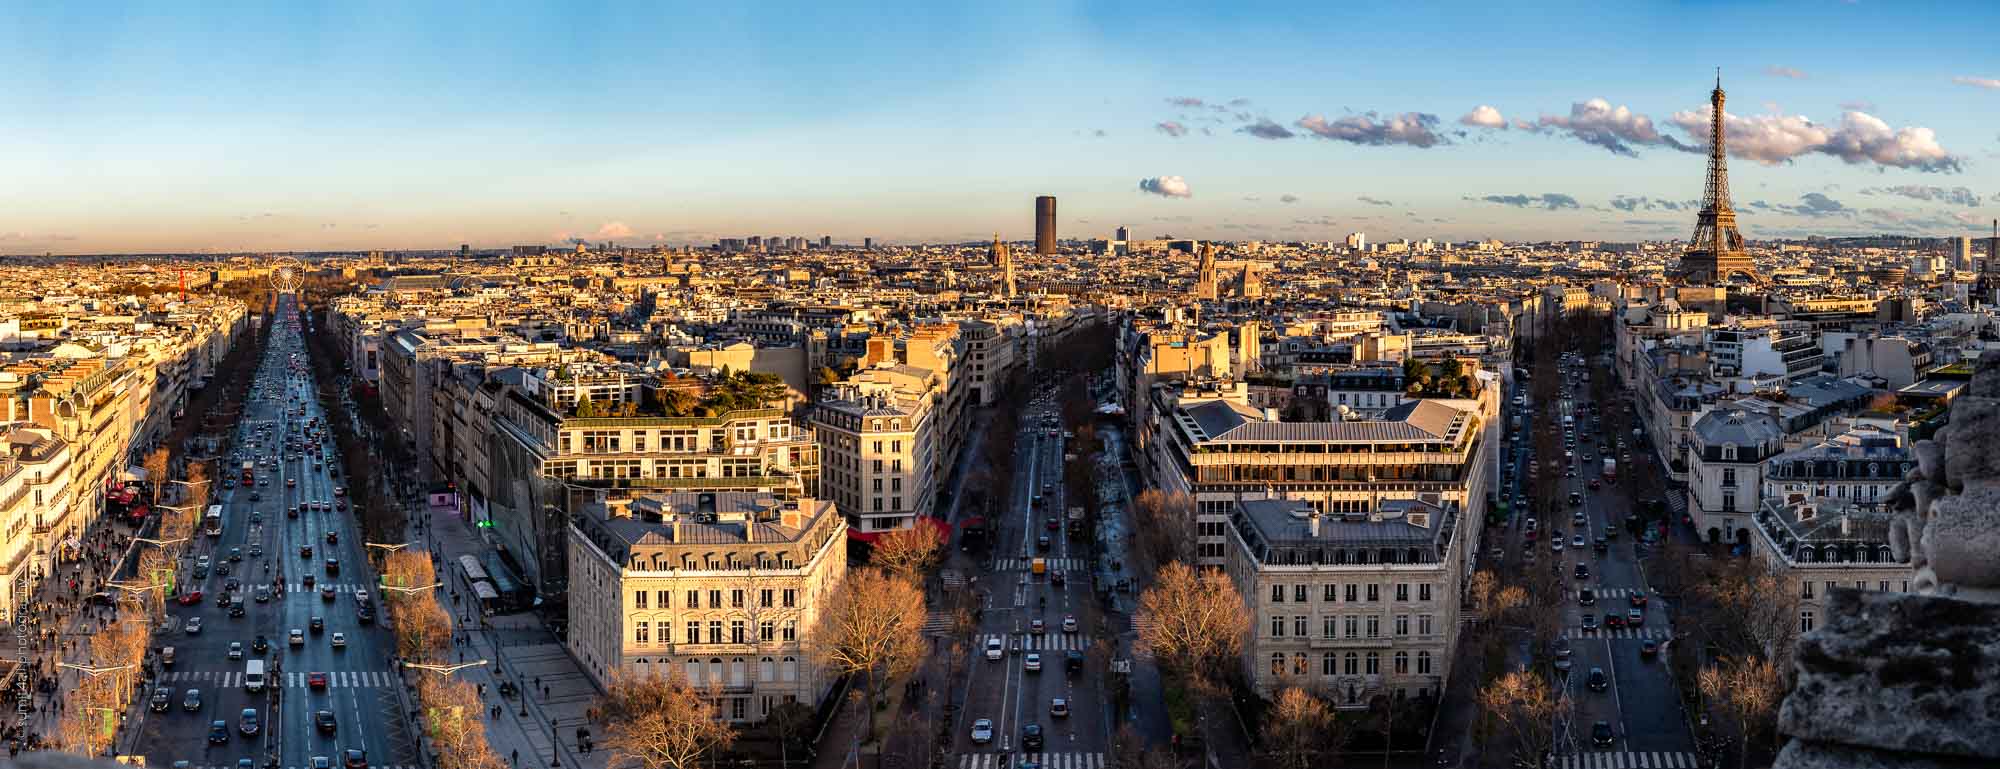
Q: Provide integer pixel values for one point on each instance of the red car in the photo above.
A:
(1638, 600)
(1613, 621)
(316, 680)
(190, 598)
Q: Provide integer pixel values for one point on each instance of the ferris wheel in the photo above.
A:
(287, 274)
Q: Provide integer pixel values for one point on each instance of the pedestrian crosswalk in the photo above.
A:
(341, 588)
(1142, 625)
(1051, 642)
(937, 623)
(1628, 760)
(1046, 760)
(1613, 593)
(344, 679)
(222, 678)
(1054, 564)
(1626, 634)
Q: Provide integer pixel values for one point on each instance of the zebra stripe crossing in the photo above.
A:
(344, 679)
(1054, 564)
(1613, 592)
(1628, 760)
(1626, 634)
(223, 678)
(1046, 760)
(342, 588)
(1142, 625)
(937, 623)
(1052, 642)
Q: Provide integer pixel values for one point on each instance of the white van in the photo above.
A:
(253, 676)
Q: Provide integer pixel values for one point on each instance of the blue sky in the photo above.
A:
(178, 126)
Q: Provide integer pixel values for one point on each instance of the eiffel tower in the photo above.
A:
(1715, 253)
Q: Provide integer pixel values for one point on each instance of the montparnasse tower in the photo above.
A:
(1715, 253)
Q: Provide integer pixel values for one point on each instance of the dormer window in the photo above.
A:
(1729, 452)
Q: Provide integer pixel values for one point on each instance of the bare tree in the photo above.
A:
(422, 627)
(873, 627)
(452, 715)
(1300, 729)
(1749, 689)
(1523, 703)
(907, 553)
(1198, 620)
(662, 722)
(1167, 529)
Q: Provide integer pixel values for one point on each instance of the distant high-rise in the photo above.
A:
(1045, 224)
(1124, 234)
(1357, 241)
(868, 243)
(1715, 253)
(1961, 253)
(826, 241)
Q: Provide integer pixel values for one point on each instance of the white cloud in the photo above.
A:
(614, 230)
(1951, 195)
(1777, 71)
(1484, 116)
(1992, 83)
(1411, 128)
(1860, 138)
(1167, 186)
(1597, 123)
(1171, 128)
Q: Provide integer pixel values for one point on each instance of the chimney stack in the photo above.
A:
(1312, 524)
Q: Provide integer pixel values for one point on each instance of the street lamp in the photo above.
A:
(445, 669)
(416, 589)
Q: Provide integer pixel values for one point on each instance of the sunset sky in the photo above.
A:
(306, 126)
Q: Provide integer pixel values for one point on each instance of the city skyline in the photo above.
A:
(171, 130)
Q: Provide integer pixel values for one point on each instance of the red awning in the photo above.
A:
(938, 527)
(977, 520)
(863, 536)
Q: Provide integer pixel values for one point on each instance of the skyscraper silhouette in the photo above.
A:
(1045, 224)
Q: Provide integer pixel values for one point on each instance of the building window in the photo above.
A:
(1353, 664)
(715, 599)
(1402, 625)
(663, 597)
(1401, 663)
(1353, 624)
(1805, 589)
(1374, 663)
(767, 631)
(642, 634)
(1299, 593)
(1374, 592)
(1329, 627)
(791, 597)
(791, 631)
(1424, 591)
(764, 598)
(1423, 663)
(1277, 663)
(694, 632)
(1330, 594)
(1729, 452)
(1402, 591)
(736, 631)
(737, 706)
(1299, 626)
(767, 669)
(694, 599)
(736, 599)
(1728, 503)
(1328, 664)
(1351, 593)
(1729, 477)
(1805, 620)
(715, 631)
(1374, 626)
(1298, 663)
(1277, 627)
(1277, 594)
(1423, 624)
(639, 600)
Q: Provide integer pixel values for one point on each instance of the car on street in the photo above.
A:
(236, 650)
(339, 641)
(1635, 617)
(333, 538)
(1614, 621)
(1069, 624)
(1589, 623)
(1555, 545)
(327, 594)
(353, 758)
(247, 723)
(1586, 597)
(1031, 737)
(1649, 649)
(319, 762)
(1563, 660)
(982, 731)
(1576, 541)
(1038, 627)
(306, 552)
(1032, 663)
(191, 701)
(1597, 680)
(218, 732)
(1073, 661)
(190, 598)
(994, 649)
(1600, 734)
(260, 645)
(297, 637)
(194, 626)
(324, 722)
(1059, 707)
(1638, 600)
(317, 624)
(163, 698)
(332, 567)
(1583, 571)
(316, 680)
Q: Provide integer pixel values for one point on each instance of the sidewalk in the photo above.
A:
(554, 696)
